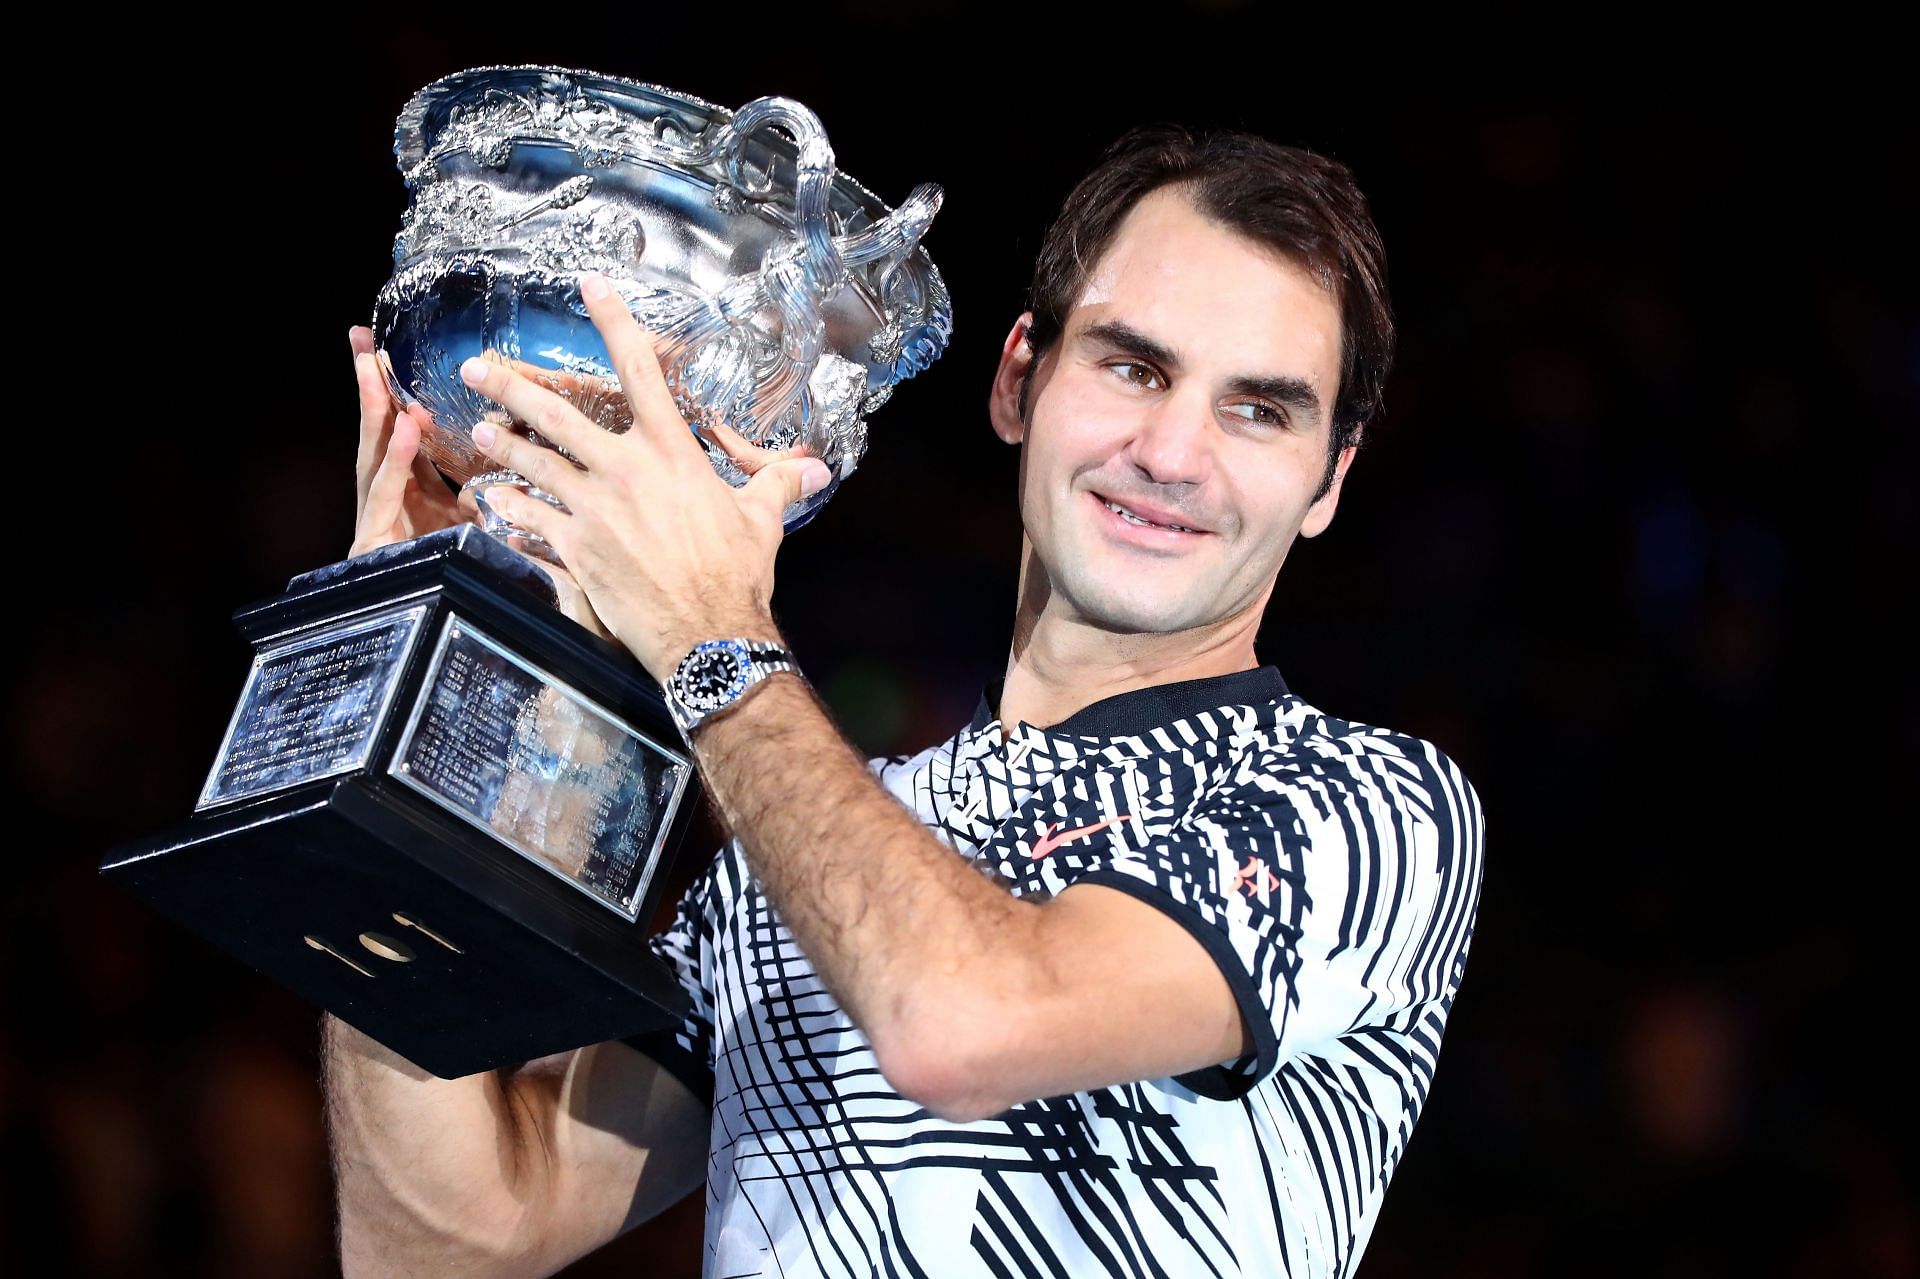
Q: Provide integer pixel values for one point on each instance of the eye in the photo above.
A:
(1126, 368)
(1263, 413)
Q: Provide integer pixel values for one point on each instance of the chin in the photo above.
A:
(1132, 612)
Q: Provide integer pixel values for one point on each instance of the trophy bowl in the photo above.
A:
(786, 300)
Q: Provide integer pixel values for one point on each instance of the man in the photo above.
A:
(1184, 1022)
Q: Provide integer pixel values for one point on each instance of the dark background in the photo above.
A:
(1629, 543)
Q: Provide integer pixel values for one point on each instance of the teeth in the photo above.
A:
(1131, 518)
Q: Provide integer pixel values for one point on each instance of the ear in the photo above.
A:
(1016, 364)
(1320, 514)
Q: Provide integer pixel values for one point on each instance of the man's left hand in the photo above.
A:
(669, 553)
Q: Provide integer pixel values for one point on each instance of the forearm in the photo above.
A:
(431, 1174)
(907, 935)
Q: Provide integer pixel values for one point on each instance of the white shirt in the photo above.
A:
(1332, 870)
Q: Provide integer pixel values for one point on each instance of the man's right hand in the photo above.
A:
(398, 495)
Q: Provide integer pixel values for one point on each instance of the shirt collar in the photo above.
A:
(1141, 710)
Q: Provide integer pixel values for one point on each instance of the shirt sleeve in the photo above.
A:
(686, 1050)
(1335, 889)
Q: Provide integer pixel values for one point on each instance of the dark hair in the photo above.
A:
(1296, 201)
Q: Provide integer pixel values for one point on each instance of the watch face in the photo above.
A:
(715, 674)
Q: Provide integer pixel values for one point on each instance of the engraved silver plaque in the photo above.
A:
(311, 706)
(555, 776)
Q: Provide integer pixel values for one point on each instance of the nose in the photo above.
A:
(1174, 444)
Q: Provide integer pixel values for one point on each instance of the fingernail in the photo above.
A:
(814, 479)
(484, 434)
(474, 370)
(593, 287)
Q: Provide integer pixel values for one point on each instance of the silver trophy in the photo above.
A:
(442, 809)
(788, 300)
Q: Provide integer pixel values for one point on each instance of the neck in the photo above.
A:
(1060, 663)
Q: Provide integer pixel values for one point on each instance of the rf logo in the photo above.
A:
(1254, 878)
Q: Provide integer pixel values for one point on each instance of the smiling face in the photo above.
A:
(1192, 388)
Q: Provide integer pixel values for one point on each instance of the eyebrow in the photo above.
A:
(1294, 392)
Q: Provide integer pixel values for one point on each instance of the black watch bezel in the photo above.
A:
(695, 669)
(689, 706)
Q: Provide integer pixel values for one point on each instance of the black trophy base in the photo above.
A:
(443, 813)
(355, 904)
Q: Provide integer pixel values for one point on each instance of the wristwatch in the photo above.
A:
(716, 675)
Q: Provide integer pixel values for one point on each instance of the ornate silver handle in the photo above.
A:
(796, 280)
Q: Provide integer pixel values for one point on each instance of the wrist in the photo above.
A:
(681, 634)
(716, 675)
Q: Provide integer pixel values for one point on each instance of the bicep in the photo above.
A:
(620, 1139)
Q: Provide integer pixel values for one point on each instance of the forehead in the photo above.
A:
(1220, 299)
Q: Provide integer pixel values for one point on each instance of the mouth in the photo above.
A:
(1149, 519)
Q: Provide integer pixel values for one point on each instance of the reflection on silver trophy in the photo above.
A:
(787, 301)
(443, 808)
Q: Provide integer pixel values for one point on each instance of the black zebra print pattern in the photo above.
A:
(1331, 868)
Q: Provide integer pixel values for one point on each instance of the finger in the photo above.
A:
(542, 467)
(545, 411)
(636, 362)
(424, 471)
(599, 399)
(388, 488)
(377, 411)
(529, 513)
(780, 484)
(438, 496)
(747, 455)
(390, 482)
(423, 468)
(564, 381)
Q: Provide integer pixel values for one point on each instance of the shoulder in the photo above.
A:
(1357, 781)
(1292, 737)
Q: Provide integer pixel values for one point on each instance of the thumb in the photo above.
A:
(778, 485)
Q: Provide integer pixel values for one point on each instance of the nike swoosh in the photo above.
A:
(1051, 841)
